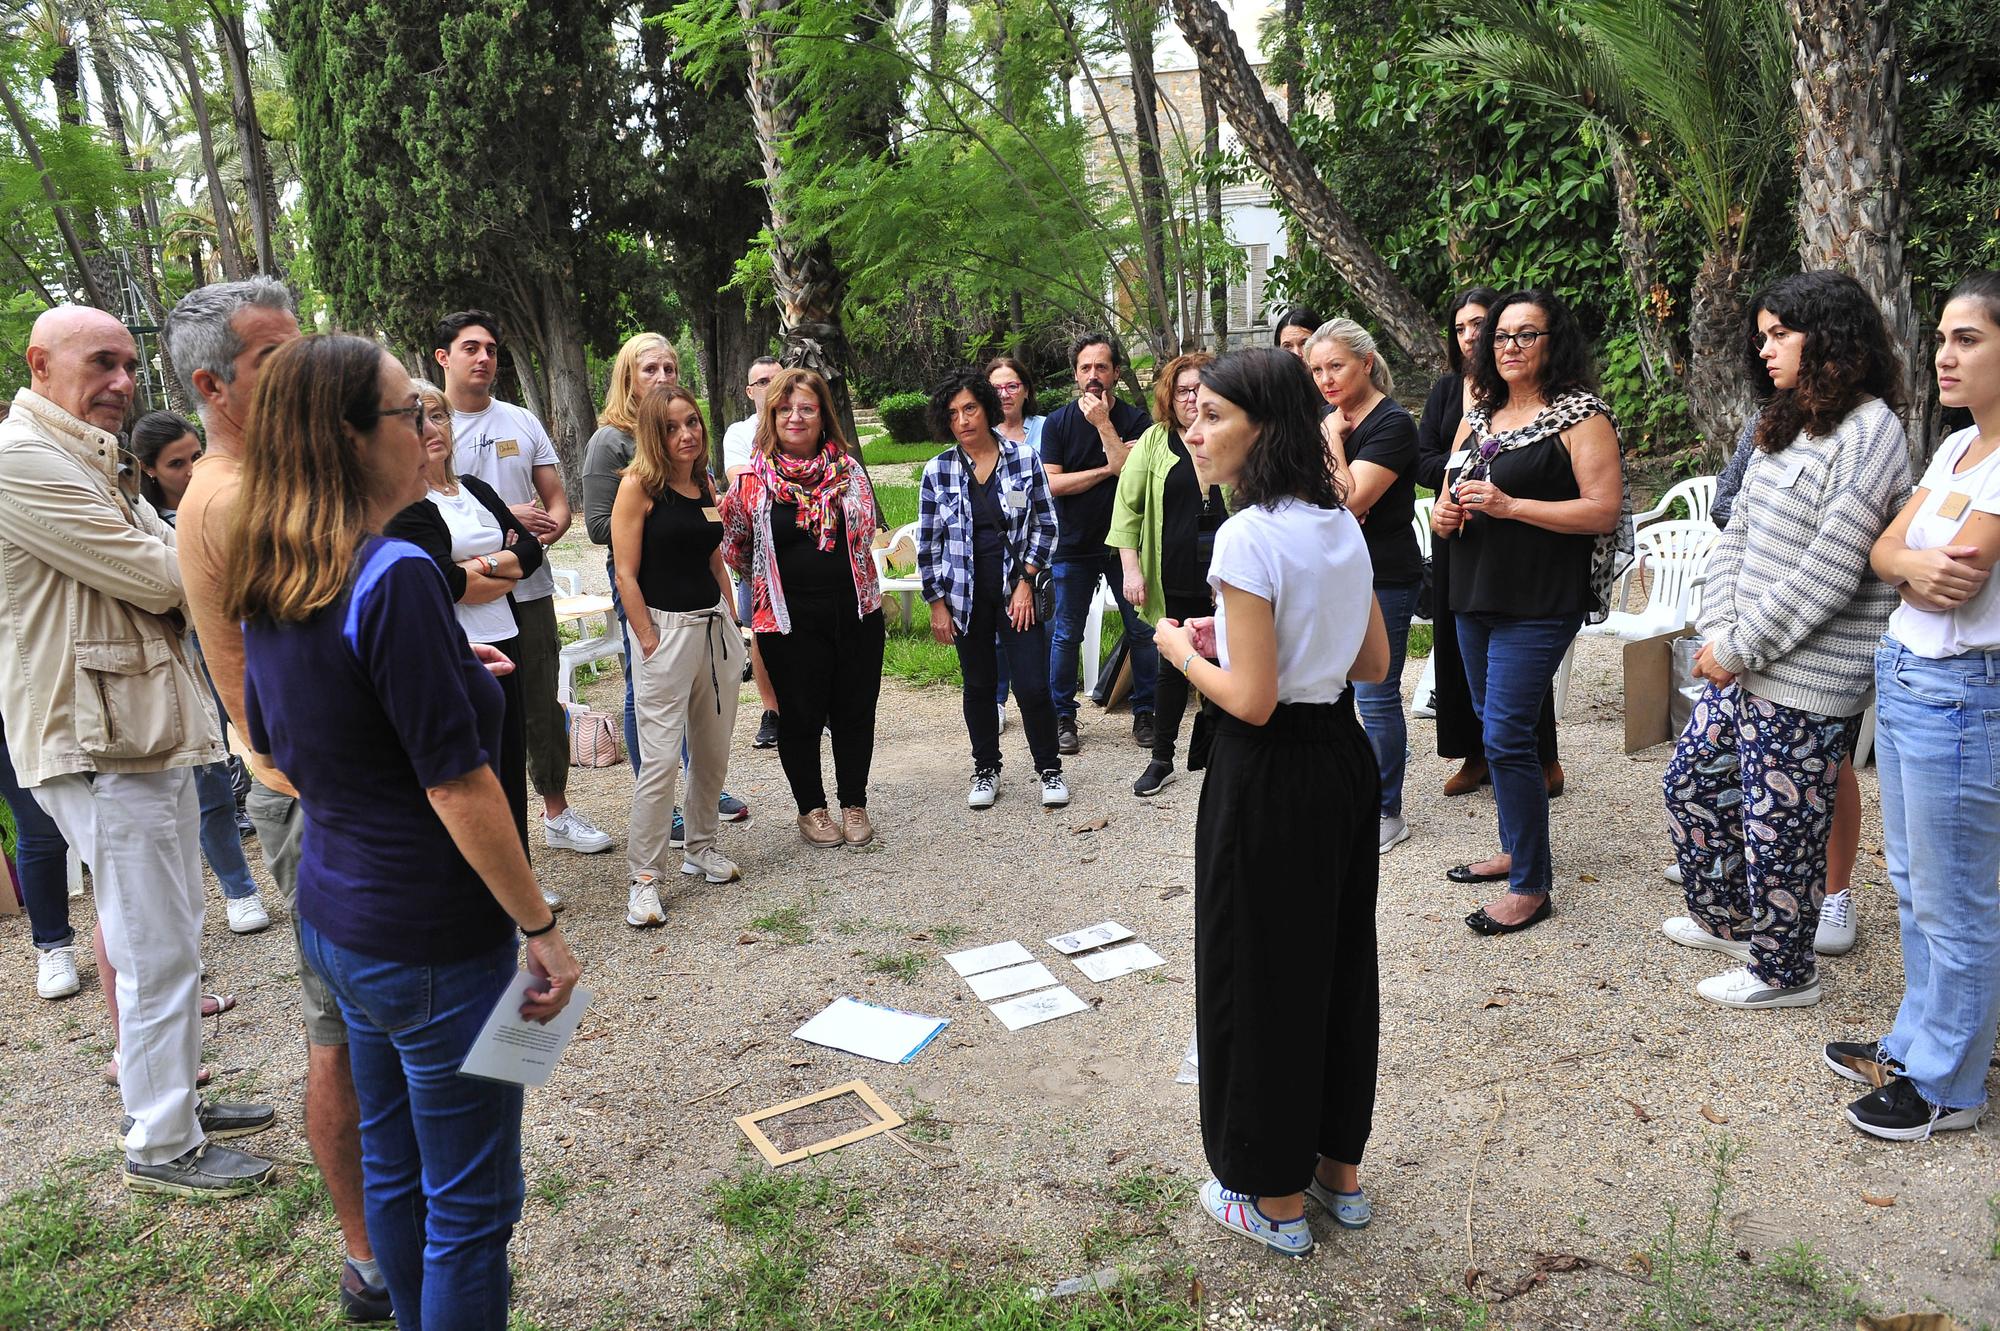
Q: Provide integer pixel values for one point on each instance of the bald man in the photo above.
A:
(106, 721)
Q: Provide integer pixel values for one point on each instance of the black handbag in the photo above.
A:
(1043, 585)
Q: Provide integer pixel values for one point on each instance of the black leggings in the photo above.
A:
(1458, 730)
(827, 673)
(1170, 695)
(988, 635)
(512, 762)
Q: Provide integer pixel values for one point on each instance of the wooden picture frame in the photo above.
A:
(749, 1123)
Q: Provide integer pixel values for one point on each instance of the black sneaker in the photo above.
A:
(1154, 778)
(1861, 1060)
(1898, 1112)
(767, 732)
(1142, 729)
(219, 1119)
(1067, 741)
(361, 1301)
(209, 1170)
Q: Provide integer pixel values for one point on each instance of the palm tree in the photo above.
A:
(1696, 89)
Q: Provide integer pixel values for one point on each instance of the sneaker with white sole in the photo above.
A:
(985, 785)
(1687, 933)
(711, 864)
(55, 972)
(1424, 707)
(1350, 1210)
(1157, 777)
(730, 809)
(209, 1170)
(1898, 1112)
(1835, 935)
(1672, 873)
(219, 1119)
(1392, 830)
(1055, 794)
(1739, 988)
(642, 903)
(570, 830)
(247, 914)
(1237, 1212)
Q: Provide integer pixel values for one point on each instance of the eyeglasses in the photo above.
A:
(805, 413)
(1187, 394)
(415, 411)
(761, 383)
(1524, 339)
(1014, 387)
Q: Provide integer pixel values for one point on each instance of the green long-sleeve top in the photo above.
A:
(1138, 512)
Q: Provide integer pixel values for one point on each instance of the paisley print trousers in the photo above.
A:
(1749, 803)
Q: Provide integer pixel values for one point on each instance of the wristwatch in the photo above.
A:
(492, 565)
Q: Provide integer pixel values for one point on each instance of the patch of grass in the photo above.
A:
(787, 924)
(882, 450)
(1421, 641)
(899, 504)
(1993, 1244)
(1452, 1312)
(1152, 1191)
(923, 1125)
(1686, 1262)
(916, 658)
(949, 935)
(552, 1190)
(850, 927)
(1801, 1265)
(905, 966)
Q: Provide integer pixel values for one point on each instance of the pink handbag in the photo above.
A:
(593, 737)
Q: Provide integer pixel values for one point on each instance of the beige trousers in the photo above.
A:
(686, 690)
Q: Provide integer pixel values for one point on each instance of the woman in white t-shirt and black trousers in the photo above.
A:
(467, 529)
(1937, 751)
(1286, 994)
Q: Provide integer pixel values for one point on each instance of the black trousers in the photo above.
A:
(1170, 695)
(513, 758)
(1458, 729)
(827, 673)
(1287, 996)
(988, 634)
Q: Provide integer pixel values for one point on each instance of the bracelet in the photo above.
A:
(537, 933)
(1187, 661)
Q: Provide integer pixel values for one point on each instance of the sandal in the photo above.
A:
(110, 1072)
(214, 1005)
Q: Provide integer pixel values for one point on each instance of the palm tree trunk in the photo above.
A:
(260, 195)
(228, 254)
(1718, 399)
(93, 293)
(1325, 219)
(1639, 251)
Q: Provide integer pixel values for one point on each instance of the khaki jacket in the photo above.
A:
(94, 674)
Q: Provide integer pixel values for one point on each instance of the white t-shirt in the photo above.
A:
(737, 443)
(475, 531)
(502, 446)
(1974, 626)
(1312, 565)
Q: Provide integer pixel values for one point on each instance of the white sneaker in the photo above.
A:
(1238, 1213)
(1739, 988)
(1835, 935)
(1672, 873)
(247, 914)
(1687, 933)
(642, 904)
(711, 864)
(1392, 831)
(1054, 793)
(983, 789)
(552, 899)
(1003, 717)
(572, 831)
(55, 972)
(1424, 707)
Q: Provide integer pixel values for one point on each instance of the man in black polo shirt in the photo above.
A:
(1084, 447)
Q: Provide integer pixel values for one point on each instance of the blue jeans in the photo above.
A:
(1381, 705)
(1075, 584)
(1937, 752)
(631, 716)
(1508, 664)
(440, 1153)
(221, 842)
(41, 857)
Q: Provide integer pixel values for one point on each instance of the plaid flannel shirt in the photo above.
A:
(944, 524)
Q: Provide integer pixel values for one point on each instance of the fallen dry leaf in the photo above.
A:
(1906, 1322)
(1586, 878)
(1472, 1274)
(1712, 1116)
(1498, 1000)
(800, 1063)
(746, 938)
(1638, 1110)
(1096, 824)
(1874, 1199)
(1169, 893)
(1642, 1262)
(1116, 1156)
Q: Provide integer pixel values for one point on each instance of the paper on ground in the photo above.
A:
(1034, 1009)
(1190, 1073)
(977, 960)
(1013, 980)
(1117, 961)
(511, 1048)
(886, 1034)
(1097, 935)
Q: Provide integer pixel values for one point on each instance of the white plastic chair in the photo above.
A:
(1674, 556)
(1697, 492)
(906, 587)
(1420, 701)
(589, 648)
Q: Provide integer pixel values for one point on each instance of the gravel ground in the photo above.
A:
(1570, 1071)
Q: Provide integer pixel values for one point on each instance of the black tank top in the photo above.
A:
(1504, 567)
(674, 550)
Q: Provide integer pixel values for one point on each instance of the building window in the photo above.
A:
(1246, 293)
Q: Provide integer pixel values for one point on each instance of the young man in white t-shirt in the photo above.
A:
(507, 448)
(738, 442)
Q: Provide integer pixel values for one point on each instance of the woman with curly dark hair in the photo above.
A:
(1536, 516)
(1791, 614)
(1286, 989)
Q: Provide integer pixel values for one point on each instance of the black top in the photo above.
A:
(989, 537)
(675, 545)
(1071, 442)
(1188, 523)
(1506, 567)
(423, 526)
(1387, 437)
(1444, 409)
(803, 568)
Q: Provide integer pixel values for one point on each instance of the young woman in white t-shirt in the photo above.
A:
(1937, 751)
(1286, 994)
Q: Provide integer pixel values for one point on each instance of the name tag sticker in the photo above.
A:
(1789, 471)
(1013, 500)
(712, 513)
(507, 448)
(1954, 505)
(1457, 461)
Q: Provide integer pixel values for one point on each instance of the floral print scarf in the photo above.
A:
(815, 484)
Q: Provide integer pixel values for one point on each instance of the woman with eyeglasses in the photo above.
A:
(800, 524)
(1537, 514)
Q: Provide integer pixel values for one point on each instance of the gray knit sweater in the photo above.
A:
(1789, 602)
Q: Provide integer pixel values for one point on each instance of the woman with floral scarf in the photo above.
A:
(799, 524)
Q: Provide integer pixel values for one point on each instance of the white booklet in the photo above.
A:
(1034, 1009)
(886, 1034)
(977, 960)
(513, 1049)
(1097, 935)
(1116, 961)
(1013, 980)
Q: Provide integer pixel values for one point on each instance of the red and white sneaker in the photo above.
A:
(1237, 1212)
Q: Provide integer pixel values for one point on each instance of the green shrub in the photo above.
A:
(904, 416)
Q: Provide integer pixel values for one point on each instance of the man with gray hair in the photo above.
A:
(106, 723)
(219, 337)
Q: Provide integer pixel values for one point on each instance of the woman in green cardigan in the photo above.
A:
(1163, 527)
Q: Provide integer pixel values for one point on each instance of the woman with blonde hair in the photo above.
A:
(666, 536)
(800, 524)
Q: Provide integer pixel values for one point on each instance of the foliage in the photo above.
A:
(1951, 139)
(907, 417)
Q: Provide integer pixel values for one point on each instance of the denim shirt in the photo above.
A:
(944, 523)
